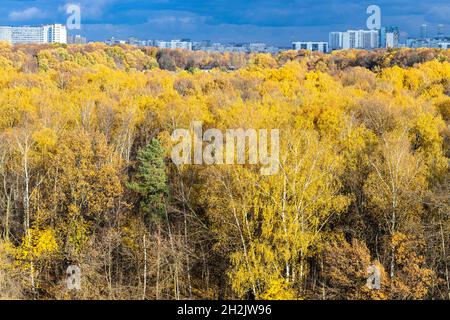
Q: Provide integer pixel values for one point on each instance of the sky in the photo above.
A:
(277, 22)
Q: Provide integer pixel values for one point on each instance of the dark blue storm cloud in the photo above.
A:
(277, 22)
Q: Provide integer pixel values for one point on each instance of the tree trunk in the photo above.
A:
(158, 262)
(145, 268)
(445, 260)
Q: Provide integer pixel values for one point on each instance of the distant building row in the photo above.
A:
(440, 43)
(54, 33)
(426, 41)
(364, 39)
(76, 39)
(354, 39)
(204, 45)
(172, 44)
(424, 31)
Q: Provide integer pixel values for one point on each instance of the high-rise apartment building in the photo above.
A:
(382, 37)
(55, 33)
(440, 31)
(392, 38)
(335, 40)
(358, 39)
(368, 39)
(27, 35)
(5, 34)
(424, 31)
(76, 39)
(350, 39)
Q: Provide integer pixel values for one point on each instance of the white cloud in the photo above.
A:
(440, 13)
(26, 14)
(177, 19)
(90, 9)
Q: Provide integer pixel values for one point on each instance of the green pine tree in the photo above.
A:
(150, 181)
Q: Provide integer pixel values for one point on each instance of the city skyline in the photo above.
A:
(375, 37)
(381, 37)
(255, 21)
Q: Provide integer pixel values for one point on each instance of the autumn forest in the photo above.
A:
(86, 176)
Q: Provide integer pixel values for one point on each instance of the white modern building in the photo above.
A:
(368, 39)
(27, 35)
(5, 34)
(354, 39)
(55, 33)
(311, 46)
(350, 39)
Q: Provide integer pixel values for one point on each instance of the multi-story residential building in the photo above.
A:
(392, 37)
(355, 39)
(257, 47)
(424, 31)
(76, 39)
(6, 34)
(388, 37)
(181, 44)
(55, 33)
(162, 44)
(417, 43)
(382, 32)
(113, 41)
(134, 41)
(219, 47)
(335, 40)
(391, 40)
(350, 40)
(361, 39)
(311, 46)
(201, 45)
(206, 45)
(173, 44)
(27, 35)
(440, 31)
(368, 39)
